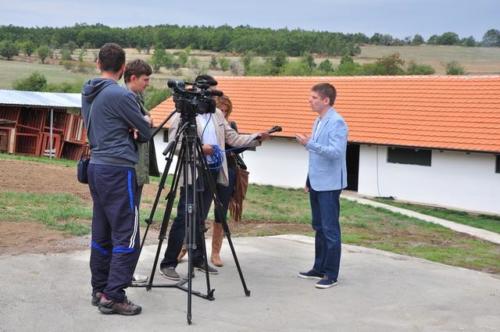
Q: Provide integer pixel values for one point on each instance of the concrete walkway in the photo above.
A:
(377, 291)
(473, 231)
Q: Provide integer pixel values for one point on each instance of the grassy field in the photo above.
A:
(490, 223)
(268, 206)
(476, 60)
(15, 70)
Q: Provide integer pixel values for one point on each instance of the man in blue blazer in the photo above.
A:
(326, 178)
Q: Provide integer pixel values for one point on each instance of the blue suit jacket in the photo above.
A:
(327, 153)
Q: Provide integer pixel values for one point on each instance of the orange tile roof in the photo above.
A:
(443, 112)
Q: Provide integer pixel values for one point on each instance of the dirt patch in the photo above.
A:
(28, 237)
(33, 177)
(31, 237)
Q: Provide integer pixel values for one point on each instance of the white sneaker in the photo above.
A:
(138, 279)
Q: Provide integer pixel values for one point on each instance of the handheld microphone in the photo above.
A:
(275, 129)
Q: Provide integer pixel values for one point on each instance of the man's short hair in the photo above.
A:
(138, 68)
(111, 57)
(326, 90)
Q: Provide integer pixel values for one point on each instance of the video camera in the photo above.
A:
(194, 98)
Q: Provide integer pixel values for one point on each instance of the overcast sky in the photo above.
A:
(399, 18)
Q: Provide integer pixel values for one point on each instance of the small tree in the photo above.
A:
(213, 62)
(223, 63)
(43, 52)
(27, 47)
(71, 46)
(35, 82)
(247, 61)
(448, 38)
(417, 69)
(236, 68)
(158, 58)
(278, 62)
(491, 38)
(454, 68)
(81, 54)
(8, 49)
(66, 54)
(469, 41)
(417, 40)
(387, 65)
(183, 58)
(325, 66)
(308, 59)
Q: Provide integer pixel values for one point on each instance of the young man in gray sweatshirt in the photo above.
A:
(111, 116)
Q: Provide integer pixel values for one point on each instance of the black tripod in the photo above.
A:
(196, 178)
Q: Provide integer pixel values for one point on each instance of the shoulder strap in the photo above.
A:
(88, 121)
(90, 112)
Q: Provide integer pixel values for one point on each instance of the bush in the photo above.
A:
(417, 69)
(454, 68)
(68, 65)
(66, 54)
(75, 87)
(35, 82)
(223, 63)
(213, 62)
(325, 67)
(296, 68)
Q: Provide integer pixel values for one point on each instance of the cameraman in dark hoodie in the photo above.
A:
(111, 116)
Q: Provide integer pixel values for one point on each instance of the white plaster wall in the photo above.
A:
(278, 162)
(455, 179)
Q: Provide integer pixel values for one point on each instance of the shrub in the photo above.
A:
(35, 82)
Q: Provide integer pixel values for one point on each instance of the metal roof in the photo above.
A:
(40, 99)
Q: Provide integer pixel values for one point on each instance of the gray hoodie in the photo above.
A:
(114, 113)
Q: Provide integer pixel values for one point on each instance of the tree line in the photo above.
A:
(240, 39)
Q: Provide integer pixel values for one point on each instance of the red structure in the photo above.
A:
(28, 121)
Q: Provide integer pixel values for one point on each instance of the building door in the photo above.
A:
(352, 157)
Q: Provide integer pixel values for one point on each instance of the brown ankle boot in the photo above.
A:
(217, 237)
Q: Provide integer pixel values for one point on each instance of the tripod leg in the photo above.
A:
(161, 186)
(227, 232)
(166, 218)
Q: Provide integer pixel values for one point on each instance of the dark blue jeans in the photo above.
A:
(178, 232)
(115, 229)
(325, 206)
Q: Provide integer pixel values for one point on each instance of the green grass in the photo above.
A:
(15, 70)
(361, 224)
(45, 160)
(63, 212)
(476, 60)
(377, 228)
(487, 222)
